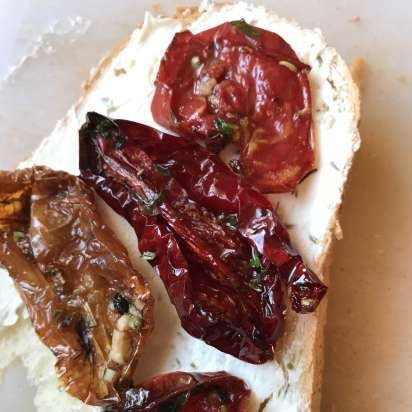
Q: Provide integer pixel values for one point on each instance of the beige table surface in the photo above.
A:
(369, 333)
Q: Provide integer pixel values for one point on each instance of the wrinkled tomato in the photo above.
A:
(185, 392)
(85, 300)
(239, 83)
(217, 245)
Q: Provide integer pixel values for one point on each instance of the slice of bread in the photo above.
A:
(122, 86)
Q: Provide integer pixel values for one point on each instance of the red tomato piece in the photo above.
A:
(221, 250)
(239, 83)
(186, 392)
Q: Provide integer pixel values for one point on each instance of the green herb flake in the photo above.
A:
(66, 321)
(195, 62)
(149, 205)
(225, 128)
(245, 28)
(289, 226)
(290, 365)
(57, 314)
(119, 142)
(333, 164)
(314, 239)
(193, 365)
(254, 261)
(119, 71)
(178, 363)
(149, 256)
(104, 128)
(230, 220)
(18, 236)
(263, 405)
(51, 271)
(163, 170)
(256, 285)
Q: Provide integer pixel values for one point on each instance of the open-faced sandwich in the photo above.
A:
(166, 248)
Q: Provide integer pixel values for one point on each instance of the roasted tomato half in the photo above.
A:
(85, 300)
(239, 83)
(185, 392)
(218, 246)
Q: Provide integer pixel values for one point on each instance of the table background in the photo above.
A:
(369, 333)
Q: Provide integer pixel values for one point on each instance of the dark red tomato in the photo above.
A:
(186, 392)
(219, 245)
(212, 184)
(204, 262)
(240, 83)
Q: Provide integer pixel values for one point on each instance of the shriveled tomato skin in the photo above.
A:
(212, 184)
(204, 264)
(68, 268)
(251, 80)
(186, 392)
(197, 188)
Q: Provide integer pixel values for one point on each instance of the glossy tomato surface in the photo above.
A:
(242, 84)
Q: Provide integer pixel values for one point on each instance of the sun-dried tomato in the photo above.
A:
(85, 300)
(239, 83)
(205, 264)
(219, 247)
(186, 392)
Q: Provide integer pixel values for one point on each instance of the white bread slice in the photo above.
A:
(121, 87)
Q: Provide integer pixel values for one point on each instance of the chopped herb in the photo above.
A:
(193, 365)
(110, 106)
(289, 225)
(255, 284)
(177, 403)
(83, 329)
(163, 170)
(263, 405)
(135, 322)
(245, 28)
(149, 205)
(235, 165)
(179, 364)
(120, 303)
(66, 321)
(255, 262)
(105, 127)
(118, 72)
(52, 272)
(333, 164)
(228, 220)
(314, 239)
(17, 236)
(119, 141)
(290, 365)
(332, 83)
(149, 256)
(195, 62)
(57, 314)
(225, 128)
